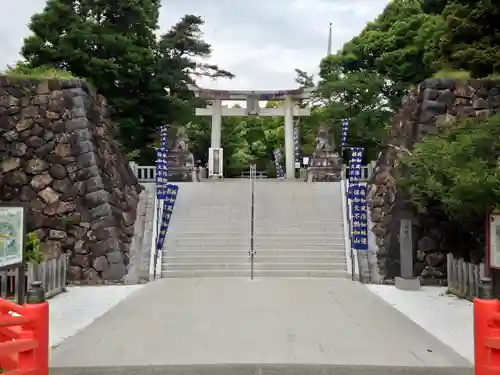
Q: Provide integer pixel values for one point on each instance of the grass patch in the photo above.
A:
(42, 72)
(494, 76)
(455, 74)
(22, 71)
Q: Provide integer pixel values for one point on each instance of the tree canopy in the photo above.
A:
(411, 40)
(455, 171)
(113, 45)
(110, 44)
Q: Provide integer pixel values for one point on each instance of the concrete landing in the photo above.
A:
(239, 323)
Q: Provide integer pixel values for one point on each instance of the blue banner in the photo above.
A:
(277, 163)
(355, 168)
(296, 143)
(162, 164)
(344, 131)
(163, 136)
(171, 191)
(359, 218)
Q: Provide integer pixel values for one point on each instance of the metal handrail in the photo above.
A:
(251, 253)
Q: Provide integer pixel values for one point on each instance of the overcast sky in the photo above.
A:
(260, 41)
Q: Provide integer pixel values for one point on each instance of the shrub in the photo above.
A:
(32, 251)
(21, 70)
(457, 169)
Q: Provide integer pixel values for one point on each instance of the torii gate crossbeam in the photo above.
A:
(288, 110)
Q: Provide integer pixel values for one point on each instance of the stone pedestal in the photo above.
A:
(180, 166)
(326, 167)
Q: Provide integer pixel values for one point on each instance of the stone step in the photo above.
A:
(298, 244)
(264, 369)
(212, 222)
(245, 246)
(299, 237)
(209, 225)
(185, 239)
(204, 253)
(242, 258)
(259, 258)
(298, 231)
(178, 234)
(299, 224)
(257, 274)
(278, 266)
(296, 221)
(335, 253)
(203, 212)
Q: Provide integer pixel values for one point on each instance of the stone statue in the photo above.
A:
(181, 140)
(180, 159)
(322, 142)
(326, 165)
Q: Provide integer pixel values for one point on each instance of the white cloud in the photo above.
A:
(260, 41)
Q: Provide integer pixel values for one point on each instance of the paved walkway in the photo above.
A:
(267, 321)
(76, 309)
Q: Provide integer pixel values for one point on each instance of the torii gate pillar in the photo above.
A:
(216, 111)
(216, 129)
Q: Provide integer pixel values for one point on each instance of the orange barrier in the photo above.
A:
(486, 337)
(24, 338)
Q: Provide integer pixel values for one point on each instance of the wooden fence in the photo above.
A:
(52, 274)
(463, 277)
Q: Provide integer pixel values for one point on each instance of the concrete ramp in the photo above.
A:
(299, 231)
(209, 234)
(262, 326)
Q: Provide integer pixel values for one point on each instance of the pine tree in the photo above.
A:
(111, 44)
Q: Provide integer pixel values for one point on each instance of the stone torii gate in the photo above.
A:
(288, 110)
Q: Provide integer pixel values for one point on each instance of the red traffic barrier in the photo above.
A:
(486, 337)
(24, 338)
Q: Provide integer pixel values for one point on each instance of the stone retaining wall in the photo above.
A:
(435, 103)
(59, 156)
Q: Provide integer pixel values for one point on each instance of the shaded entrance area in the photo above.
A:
(239, 323)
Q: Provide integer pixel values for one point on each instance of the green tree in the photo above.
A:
(112, 45)
(179, 52)
(472, 38)
(357, 96)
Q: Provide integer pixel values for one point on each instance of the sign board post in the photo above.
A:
(407, 281)
(12, 242)
(492, 258)
(493, 254)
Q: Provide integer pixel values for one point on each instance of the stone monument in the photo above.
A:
(326, 164)
(180, 159)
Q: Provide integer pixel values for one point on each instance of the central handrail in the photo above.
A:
(251, 253)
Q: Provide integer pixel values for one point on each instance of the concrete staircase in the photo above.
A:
(299, 230)
(209, 234)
